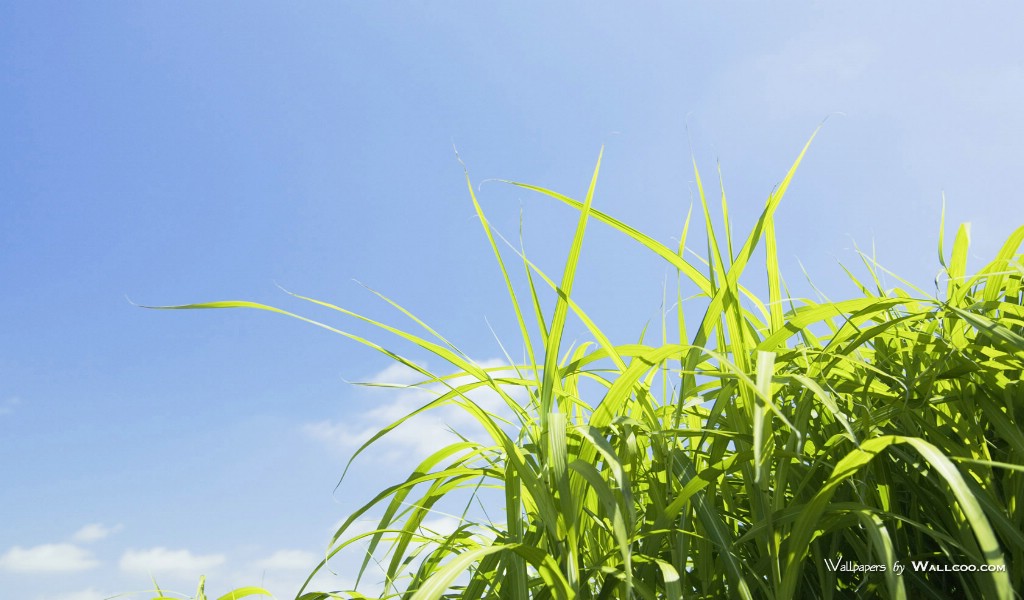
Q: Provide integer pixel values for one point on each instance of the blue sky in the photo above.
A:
(192, 151)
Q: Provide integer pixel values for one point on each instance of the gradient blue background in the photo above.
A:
(193, 151)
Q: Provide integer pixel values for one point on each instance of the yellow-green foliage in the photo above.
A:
(733, 460)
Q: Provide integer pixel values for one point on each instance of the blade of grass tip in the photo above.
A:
(504, 351)
(411, 316)
(657, 247)
(942, 232)
(814, 313)
(599, 335)
(755, 323)
(717, 272)
(459, 362)
(440, 351)
(553, 343)
(771, 251)
(714, 254)
(539, 312)
(994, 285)
(686, 229)
(460, 392)
(716, 306)
(871, 266)
(895, 276)
(725, 214)
(686, 381)
(958, 260)
(863, 289)
(442, 399)
(523, 330)
(784, 185)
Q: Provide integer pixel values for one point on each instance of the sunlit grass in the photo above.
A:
(237, 594)
(741, 455)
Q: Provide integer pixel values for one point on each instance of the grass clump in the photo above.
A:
(773, 448)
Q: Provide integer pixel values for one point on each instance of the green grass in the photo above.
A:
(732, 458)
(237, 594)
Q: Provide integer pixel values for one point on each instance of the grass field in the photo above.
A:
(776, 447)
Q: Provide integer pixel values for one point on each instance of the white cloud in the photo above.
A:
(49, 558)
(441, 526)
(174, 562)
(421, 435)
(292, 560)
(94, 532)
(359, 527)
(397, 373)
(338, 435)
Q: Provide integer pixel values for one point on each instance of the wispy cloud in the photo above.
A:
(397, 373)
(94, 532)
(289, 560)
(283, 572)
(173, 562)
(441, 526)
(48, 558)
(419, 436)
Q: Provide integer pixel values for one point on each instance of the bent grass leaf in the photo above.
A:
(729, 463)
